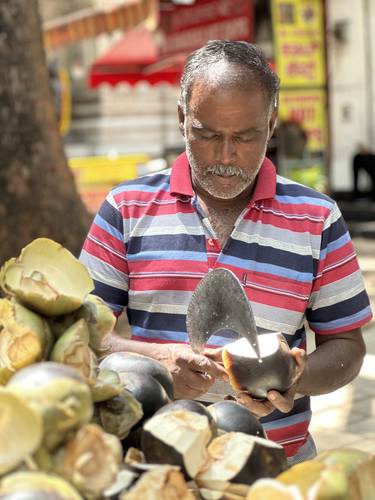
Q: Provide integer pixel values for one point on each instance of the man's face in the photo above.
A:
(226, 129)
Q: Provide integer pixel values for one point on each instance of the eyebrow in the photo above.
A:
(200, 126)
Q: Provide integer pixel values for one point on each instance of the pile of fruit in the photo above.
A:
(76, 423)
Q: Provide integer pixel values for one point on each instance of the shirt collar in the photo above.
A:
(180, 177)
(181, 180)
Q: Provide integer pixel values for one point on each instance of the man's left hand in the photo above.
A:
(275, 400)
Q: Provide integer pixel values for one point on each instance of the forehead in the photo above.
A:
(225, 77)
(234, 104)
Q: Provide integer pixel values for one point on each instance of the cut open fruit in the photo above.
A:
(242, 459)
(177, 438)
(47, 278)
(274, 370)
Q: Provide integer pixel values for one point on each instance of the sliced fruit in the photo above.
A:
(163, 482)
(47, 278)
(239, 458)
(72, 349)
(177, 438)
(90, 460)
(25, 337)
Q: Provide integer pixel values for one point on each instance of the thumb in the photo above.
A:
(214, 353)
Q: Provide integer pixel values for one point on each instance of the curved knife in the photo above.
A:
(219, 303)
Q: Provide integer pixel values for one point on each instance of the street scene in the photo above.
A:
(187, 258)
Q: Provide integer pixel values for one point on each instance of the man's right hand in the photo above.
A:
(193, 374)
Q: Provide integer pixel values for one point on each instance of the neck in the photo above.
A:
(223, 214)
(224, 205)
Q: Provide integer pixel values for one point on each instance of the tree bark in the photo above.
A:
(38, 196)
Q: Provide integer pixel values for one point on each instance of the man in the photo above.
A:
(223, 206)
(363, 160)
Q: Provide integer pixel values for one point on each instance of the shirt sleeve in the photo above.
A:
(339, 301)
(104, 255)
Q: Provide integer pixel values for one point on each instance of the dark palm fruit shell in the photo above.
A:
(262, 462)
(274, 371)
(233, 417)
(146, 390)
(133, 440)
(158, 452)
(129, 362)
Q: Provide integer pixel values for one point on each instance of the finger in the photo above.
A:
(299, 355)
(214, 354)
(205, 365)
(198, 381)
(186, 392)
(283, 402)
(258, 408)
(300, 358)
(189, 384)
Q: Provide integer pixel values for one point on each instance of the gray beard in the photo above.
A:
(227, 171)
(204, 179)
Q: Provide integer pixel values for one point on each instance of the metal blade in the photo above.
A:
(219, 303)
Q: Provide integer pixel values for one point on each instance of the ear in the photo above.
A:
(272, 123)
(181, 119)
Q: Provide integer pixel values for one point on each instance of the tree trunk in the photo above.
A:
(38, 196)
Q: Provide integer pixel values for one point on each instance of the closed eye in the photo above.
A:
(246, 138)
(206, 134)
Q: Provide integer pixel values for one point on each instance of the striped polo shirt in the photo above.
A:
(151, 243)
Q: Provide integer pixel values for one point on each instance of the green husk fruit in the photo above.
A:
(37, 486)
(21, 430)
(59, 393)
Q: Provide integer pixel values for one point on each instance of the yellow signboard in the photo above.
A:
(96, 175)
(308, 108)
(298, 27)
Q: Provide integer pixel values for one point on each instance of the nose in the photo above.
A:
(227, 151)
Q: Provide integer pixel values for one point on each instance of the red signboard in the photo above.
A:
(188, 27)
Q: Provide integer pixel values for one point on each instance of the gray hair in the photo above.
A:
(252, 59)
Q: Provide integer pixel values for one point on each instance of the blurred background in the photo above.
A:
(116, 83)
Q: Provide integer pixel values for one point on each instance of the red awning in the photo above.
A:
(91, 22)
(136, 58)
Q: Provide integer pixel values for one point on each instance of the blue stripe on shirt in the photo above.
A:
(265, 268)
(347, 320)
(172, 255)
(103, 224)
(290, 420)
(140, 188)
(335, 245)
(308, 200)
(176, 336)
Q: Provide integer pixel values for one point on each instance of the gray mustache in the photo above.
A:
(227, 171)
